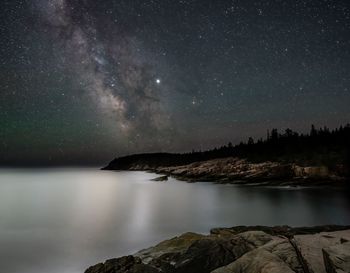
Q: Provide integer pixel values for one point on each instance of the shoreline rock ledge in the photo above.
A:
(257, 249)
(232, 170)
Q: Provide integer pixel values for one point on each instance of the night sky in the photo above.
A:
(84, 81)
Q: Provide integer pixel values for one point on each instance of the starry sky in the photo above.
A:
(84, 81)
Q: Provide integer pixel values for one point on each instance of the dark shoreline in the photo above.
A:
(242, 172)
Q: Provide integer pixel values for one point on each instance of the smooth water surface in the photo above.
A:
(64, 220)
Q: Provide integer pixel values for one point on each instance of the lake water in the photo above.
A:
(64, 220)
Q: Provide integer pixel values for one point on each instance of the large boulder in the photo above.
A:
(277, 256)
(192, 252)
(209, 253)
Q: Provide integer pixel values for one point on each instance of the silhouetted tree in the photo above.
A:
(274, 134)
(313, 131)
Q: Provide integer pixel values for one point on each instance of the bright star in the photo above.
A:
(158, 81)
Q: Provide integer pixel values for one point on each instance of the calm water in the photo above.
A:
(63, 220)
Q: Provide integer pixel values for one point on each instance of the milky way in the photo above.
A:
(120, 80)
(84, 81)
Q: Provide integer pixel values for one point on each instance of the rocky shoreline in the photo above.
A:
(257, 249)
(239, 171)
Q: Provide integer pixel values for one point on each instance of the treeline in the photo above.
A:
(320, 146)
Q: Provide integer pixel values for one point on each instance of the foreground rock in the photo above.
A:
(311, 247)
(244, 250)
(337, 258)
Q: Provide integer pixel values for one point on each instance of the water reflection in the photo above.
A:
(64, 220)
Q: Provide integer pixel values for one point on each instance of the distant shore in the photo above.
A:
(320, 158)
(237, 171)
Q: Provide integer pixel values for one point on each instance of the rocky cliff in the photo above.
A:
(242, 249)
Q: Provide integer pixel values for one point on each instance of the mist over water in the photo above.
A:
(64, 220)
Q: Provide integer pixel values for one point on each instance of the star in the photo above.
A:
(158, 81)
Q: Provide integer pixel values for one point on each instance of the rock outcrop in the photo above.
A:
(240, 171)
(161, 178)
(242, 249)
